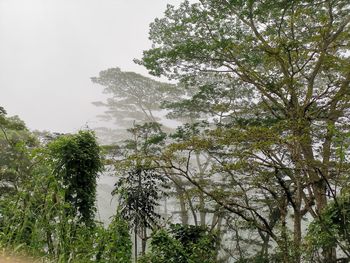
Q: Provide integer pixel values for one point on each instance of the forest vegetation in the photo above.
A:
(257, 167)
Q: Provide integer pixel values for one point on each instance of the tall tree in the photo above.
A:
(134, 97)
(293, 56)
(77, 162)
(140, 186)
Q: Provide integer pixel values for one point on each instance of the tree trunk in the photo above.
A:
(318, 176)
(135, 233)
(284, 234)
(297, 235)
(202, 213)
(144, 240)
(183, 210)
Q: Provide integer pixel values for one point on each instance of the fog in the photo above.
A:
(49, 49)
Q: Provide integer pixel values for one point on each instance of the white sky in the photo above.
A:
(49, 49)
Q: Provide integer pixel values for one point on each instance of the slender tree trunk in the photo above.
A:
(298, 160)
(202, 213)
(297, 217)
(135, 238)
(144, 240)
(284, 234)
(297, 235)
(328, 253)
(182, 202)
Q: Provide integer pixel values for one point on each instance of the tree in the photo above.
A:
(140, 186)
(134, 97)
(77, 162)
(16, 145)
(293, 56)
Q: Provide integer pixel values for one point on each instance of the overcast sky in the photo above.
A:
(49, 49)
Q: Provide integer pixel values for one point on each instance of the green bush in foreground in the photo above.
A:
(183, 244)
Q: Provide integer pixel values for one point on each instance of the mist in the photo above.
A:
(49, 49)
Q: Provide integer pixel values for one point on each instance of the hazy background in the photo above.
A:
(49, 49)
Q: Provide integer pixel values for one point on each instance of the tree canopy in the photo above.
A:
(291, 58)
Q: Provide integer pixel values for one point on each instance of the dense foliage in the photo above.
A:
(257, 169)
(279, 141)
(49, 209)
(76, 163)
(183, 244)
